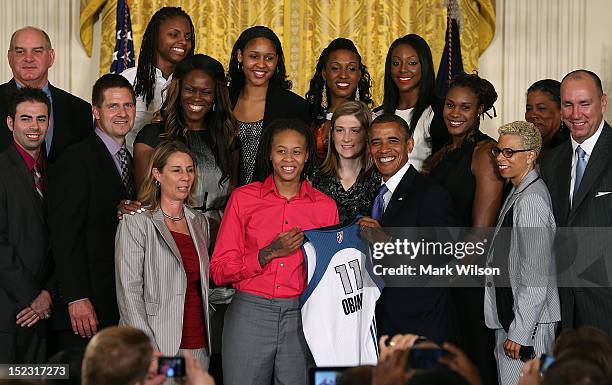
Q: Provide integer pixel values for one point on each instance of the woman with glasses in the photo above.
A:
(522, 302)
(465, 167)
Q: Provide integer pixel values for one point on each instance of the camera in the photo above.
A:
(425, 354)
(171, 366)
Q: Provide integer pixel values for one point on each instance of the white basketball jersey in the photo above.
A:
(339, 301)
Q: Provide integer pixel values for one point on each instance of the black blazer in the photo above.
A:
(281, 104)
(84, 191)
(25, 261)
(416, 202)
(581, 250)
(72, 116)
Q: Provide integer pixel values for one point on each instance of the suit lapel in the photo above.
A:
(160, 225)
(108, 164)
(598, 162)
(26, 179)
(397, 199)
(197, 235)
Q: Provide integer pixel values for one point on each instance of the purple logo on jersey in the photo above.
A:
(340, 236)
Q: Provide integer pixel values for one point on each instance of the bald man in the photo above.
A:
(30, 55)
(579, 178)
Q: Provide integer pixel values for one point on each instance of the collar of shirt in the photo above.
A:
(29, 160)
(395, 180)
(111, 145)
(268, 187)
(45, 89)
(588, 144)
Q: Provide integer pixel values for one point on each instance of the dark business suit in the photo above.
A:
(85, 190)
(580, 254)
(72, 119)
(416, 202)
(25, 262)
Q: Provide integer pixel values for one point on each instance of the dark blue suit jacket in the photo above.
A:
(417, 201)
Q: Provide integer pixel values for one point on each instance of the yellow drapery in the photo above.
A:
(305, 27)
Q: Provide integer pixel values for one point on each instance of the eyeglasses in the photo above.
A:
(506, 152)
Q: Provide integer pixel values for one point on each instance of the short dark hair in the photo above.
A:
(118, 355)
(109, 81)
(263, 167)
(579, 74)
(27, 94)
(551, 87)
(392, 118)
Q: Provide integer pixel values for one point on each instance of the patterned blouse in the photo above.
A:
(249, 135)
(357, 199)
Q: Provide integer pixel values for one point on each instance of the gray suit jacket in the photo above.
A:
(531, 261)
(150, 277)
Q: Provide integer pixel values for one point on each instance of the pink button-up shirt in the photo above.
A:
(254, 216)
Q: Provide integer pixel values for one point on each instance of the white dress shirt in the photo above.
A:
(392, 183)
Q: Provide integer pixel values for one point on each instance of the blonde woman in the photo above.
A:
(161, 258)
(522, 303)
(346, 174)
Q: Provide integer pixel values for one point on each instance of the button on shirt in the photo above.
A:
(587, 146)
(254, 216)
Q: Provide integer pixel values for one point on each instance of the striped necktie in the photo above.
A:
(38, 182)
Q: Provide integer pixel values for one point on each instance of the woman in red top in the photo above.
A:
(161, 258)
(258, 250)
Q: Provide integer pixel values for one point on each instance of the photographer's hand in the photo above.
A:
(459, 362)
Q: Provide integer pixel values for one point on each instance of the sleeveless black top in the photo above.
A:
(454, 172)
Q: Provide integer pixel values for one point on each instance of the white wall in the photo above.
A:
(537, 39)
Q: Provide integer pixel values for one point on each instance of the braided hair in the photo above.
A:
(145, 71)
(427, 84)
(315, 92)
(486, 97)
(237, 78)
(482, 88)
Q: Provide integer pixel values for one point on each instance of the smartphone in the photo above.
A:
(426, 357)
(326, 376)
(527, 353)
(171, 366)
(545, 361)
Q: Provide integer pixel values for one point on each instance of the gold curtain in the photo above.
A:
(305, 27)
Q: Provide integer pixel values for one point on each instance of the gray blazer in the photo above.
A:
(531, 261)
(150, 277)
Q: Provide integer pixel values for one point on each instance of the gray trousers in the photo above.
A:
(263, 339)
(509, 370)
